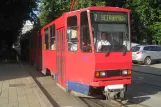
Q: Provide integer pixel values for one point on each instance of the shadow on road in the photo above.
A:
(146, 81)
(145, 86)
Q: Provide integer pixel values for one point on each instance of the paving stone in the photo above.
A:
(3, 100)
(33, 101)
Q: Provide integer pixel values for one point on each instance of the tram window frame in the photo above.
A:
(46, 34)
(52, 37)
(72, 30)
(83, 18)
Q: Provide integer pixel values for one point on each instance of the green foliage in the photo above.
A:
(13, 14)
(52, 9)
(145, 14)
(146, 18)
(83, 3)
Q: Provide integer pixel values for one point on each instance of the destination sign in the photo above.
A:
(109, 17)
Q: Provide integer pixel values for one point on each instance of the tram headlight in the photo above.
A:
(127, 72)
(124, 72)
(102, 74)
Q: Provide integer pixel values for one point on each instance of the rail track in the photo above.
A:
(93, 102)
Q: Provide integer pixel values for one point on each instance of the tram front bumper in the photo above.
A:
(112, 82)
(114, 88)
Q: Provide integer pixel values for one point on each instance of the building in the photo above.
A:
(27, 27)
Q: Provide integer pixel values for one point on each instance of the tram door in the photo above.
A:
(60, 57)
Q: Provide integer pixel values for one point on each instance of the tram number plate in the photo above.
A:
(120, 86)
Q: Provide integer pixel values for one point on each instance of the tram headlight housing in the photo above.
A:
(126, 72)
(100, 74)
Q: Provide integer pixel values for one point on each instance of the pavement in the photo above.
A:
(57, 96)
(18, 89)
(22, 86)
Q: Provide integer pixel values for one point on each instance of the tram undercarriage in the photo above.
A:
(114, 91)
(110, 92)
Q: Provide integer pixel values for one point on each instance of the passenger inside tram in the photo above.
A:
(53, 46)
(86, 45)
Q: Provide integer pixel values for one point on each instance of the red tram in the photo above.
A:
(87, 49)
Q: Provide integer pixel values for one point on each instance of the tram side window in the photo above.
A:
(85, 35)
(72, 34)
(46, 38)
(52, 38)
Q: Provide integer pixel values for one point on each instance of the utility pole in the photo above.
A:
(73, 4)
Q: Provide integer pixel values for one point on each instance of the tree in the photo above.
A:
(146, 19)
(52, 9)
(13, 14)
(145, 15)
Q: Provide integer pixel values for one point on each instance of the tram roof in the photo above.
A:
(102, 8)
(97, 8)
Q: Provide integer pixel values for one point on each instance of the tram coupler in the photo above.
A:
(114, 91)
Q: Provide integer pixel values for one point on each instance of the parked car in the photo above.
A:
(146, 54)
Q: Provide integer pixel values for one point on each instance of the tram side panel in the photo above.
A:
(48, 34)
(51, 52)
(61, 51)
(80, 71)
(48, 56)
(79, 65)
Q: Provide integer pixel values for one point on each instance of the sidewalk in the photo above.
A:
(18, 89)
(152, 69)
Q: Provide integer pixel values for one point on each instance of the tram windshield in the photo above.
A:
(110, 31)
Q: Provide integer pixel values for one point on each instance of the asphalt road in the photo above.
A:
(146, 86)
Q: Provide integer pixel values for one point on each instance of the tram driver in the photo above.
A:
(103, 41)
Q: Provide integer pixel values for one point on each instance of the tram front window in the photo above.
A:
(110, 31)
